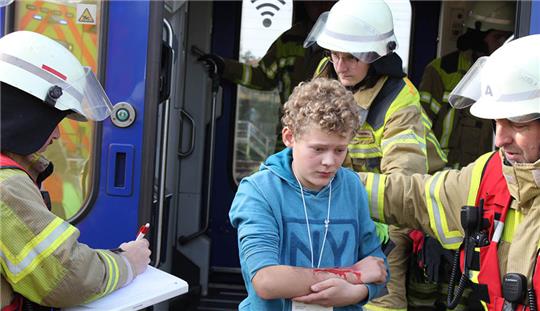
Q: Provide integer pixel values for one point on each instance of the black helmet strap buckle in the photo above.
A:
(391, 46)
(53, 94)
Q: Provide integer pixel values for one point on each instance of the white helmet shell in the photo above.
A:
(486, 15)
(41, 67)
(506, 85)
(363, 28)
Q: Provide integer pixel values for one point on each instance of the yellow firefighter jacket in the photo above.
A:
(433, 202)
(462, 136)
(40, 257)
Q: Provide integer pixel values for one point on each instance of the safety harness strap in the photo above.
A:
(8, 163)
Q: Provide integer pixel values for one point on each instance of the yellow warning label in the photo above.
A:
(86, 17)
(86, 13)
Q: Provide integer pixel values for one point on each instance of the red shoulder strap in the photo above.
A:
(493, 182)
(494, 191)
(7, 162)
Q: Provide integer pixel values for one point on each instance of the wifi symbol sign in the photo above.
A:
(268, 10)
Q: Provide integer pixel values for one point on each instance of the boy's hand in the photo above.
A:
(372, 270)
(335, 292)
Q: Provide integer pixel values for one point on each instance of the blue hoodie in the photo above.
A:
(269, 215)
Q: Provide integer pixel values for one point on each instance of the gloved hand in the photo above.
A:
(213, 63)
(433, 254)
(382, 232)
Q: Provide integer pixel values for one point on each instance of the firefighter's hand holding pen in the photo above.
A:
(137, 253)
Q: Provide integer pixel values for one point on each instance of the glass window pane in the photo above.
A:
(76, 26)
(257, 112)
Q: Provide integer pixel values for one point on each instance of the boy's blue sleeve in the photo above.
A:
(258, 232)
(370, 244)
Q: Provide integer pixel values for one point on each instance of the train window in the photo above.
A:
(257, 112)
(76, 25)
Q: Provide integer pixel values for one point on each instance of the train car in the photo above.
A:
(178, 142)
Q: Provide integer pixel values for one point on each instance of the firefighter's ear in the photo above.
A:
(287, 136)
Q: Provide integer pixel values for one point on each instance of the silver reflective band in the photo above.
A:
(353, 38)
(34, 253)
(31, 68)
(519, 96)
(437, 215)
(374, 198)
(492, 20)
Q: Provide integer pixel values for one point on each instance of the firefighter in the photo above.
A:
(490, 209)
(42, 264)
(285, 64)
(396, 137)
(462, 136)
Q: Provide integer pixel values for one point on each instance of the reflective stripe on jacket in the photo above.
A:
(44, 262)
(462, 136)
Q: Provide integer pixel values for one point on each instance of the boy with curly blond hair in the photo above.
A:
(304, 231)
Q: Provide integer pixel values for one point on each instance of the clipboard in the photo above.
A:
(149, 288)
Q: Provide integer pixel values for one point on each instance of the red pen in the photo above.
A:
(143, 231)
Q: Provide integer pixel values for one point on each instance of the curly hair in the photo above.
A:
(324, 103)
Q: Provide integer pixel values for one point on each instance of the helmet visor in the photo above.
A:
(525, 118)
(468, 90)
(367, 48)
(316, 30)
(95, 105)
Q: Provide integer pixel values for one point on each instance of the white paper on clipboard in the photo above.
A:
(149, 288)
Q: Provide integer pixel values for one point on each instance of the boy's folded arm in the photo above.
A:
(281, 281)
(336, 293)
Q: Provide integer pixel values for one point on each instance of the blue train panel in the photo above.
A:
(113, 218)
(535, 17)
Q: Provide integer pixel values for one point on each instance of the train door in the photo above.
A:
(197, 138)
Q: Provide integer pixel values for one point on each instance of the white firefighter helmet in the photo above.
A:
(505, 85)
(363, 28)
(486, 15)
(47, 70)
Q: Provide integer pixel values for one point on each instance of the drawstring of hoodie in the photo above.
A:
(326, 222)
